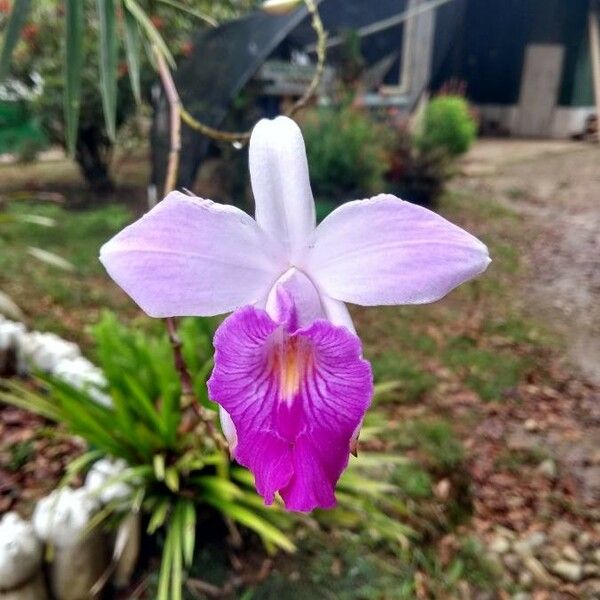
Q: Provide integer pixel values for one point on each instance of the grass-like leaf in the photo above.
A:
(50, 258)
(74, 25)
(17, 19)
(191, 11)
(249, 518)
(150, 30)
(108, 63)
(132, 49)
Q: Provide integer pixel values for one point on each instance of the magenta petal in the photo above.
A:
(189, 256)
(295, 399)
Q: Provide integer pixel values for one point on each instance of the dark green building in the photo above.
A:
(525, 63)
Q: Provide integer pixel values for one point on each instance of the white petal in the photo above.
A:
(285, 208)
(189, 256)
(386, 251)
(337, 312)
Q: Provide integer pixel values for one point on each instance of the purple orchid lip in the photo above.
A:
(295, 399)
(289, 376)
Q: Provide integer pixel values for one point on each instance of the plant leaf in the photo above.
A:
(9, 308)
(159, 515)
(159, 466)
(249, 518)
(176, 535)
(189, 532)
(152, 33)
(8, 218)
(50, 258)
(166, 565)
(190, 11)
(17, 19)
(132, 50)
(108, 63)
(74, 25)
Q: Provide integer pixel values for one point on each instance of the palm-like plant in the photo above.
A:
(130, 25)
(178, 474)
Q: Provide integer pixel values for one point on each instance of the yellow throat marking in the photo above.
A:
(291, 361)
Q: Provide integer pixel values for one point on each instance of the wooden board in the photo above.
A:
(540, 84)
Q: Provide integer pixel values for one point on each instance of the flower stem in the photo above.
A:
(193, 411)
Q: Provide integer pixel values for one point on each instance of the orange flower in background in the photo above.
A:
(186, 48)
(5, 6)
(30, 32)
(157, 21)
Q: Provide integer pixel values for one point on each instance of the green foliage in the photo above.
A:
(439, 443)
(489, 373)
(18, 17)
(448, 125)
(158, 24)
(85, 232)
(10, 221)
(346, 155)
(19, 454)
(413, 480)
(416, 172)
(74, 26)
(470, 563)
(20, 133)
(413, 382)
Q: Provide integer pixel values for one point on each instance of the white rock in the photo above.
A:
(571, 554)
(568, 571)
(45, 350)
(84, 375)
(127, 549)
(591, 570)
(530, 543)
(75, 569)
(96, 482)
(10, 334)
(61, 518)
(80, 556)
(500, 545)
(20, 551)
(547, 468)
(34, 589)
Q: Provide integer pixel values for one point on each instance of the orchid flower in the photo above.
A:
(289, 376)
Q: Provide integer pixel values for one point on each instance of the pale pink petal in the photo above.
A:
(295, 301)
(387, 251)
(337, 312)
(228, 428)
(295, 399)
(279, 173)
(189, 256)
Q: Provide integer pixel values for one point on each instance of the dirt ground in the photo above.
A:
(556, 185)
(540, 521)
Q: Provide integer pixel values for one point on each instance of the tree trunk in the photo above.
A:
(92, 155)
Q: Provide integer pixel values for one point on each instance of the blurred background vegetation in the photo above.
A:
(418, 507)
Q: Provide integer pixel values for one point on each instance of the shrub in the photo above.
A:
(346, 154)
(448, 125)
(416, 173)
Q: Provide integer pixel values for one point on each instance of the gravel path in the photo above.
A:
(556, 186)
